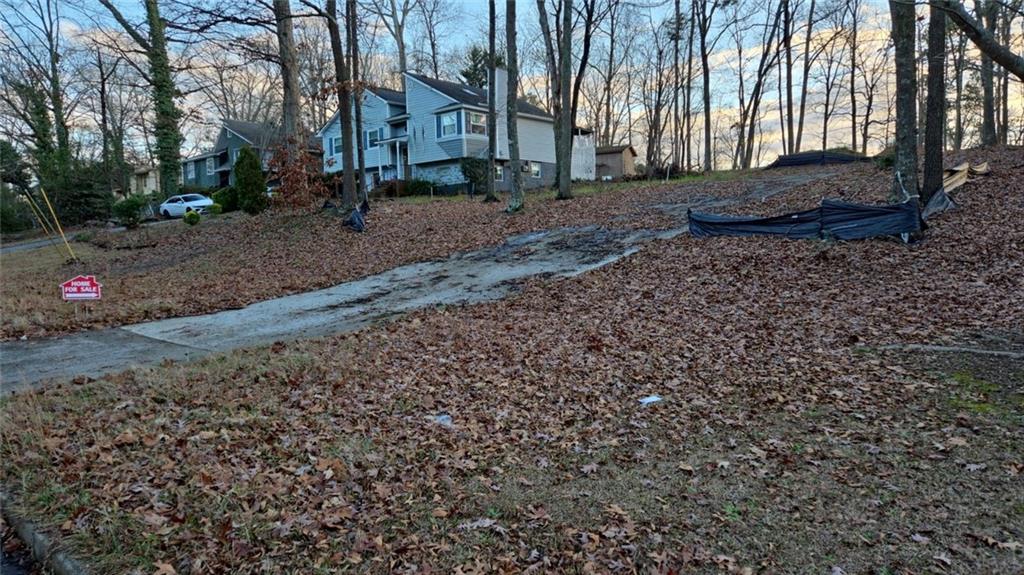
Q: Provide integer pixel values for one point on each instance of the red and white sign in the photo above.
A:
(81, 288)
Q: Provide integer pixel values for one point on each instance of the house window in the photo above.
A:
(499, 174)
(373, 136)
(448, 124)
(211, 164)
(477, 123)
(535, 169)
(234, 156)
(335, 146)
(190, 170)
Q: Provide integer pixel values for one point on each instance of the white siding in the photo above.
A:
(536, 140)
(420, 102)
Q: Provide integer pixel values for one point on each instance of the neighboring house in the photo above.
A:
(383, 137)
(426, 132)
(145, 180)
(215, 168)
(614, 162)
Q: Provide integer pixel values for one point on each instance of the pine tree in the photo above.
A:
(250, 183)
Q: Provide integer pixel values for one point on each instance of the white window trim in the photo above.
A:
(234, 155)
(454, 115)
(211, 165)
(536, 174)
(482, 124)
(191, 170)
(366, 135)
(335, 145)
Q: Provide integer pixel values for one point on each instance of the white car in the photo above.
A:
(176, 206)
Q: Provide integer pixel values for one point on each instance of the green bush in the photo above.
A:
(418, 188)
(227, 198)
(250, 183)
(129, 210)
(475, 170)
(191, 218)
(215, 209)
(15, 214)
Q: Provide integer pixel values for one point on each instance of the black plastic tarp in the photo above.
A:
(816, 158)
(832, 219)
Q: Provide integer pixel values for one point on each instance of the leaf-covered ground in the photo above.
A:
(174, 270)
(510, 436)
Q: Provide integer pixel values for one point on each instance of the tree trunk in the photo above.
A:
(676, 131)
(516, 199)
(854, 9)
(935, 115)
(343, 86)
(1004, 96)
(806, 74)
(706, 74)
(689, 97)
(492, 114)
(959, 67)
(787, 30)
(903, 35)
(352, 31)
(168, 134)
(609, 77)
(554, 70)
(292, 111)
(105, 121)
(988, 117)
(565, 65)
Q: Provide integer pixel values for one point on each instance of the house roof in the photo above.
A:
(255, 133)
(391, 96)
(616, 149)
(472, 96)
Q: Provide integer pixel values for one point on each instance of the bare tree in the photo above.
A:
(238, 89)
(291, 117)
(853, 8)
(903, 32)
(566, 120)
(935, 116)
(394, 15)
(168, 132)
(352, 31)
(515, 202)
(983, 38)
(704, 15)
(435, 19)
(492, 115)
(32, 32)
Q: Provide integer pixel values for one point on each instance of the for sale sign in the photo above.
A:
(81, 288)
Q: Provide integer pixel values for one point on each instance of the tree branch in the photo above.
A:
(982, 38)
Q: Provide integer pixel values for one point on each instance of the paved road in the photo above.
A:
(23, 246)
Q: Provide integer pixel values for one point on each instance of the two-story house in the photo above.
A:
(214, 169)
(383, 137)
(426, 131)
